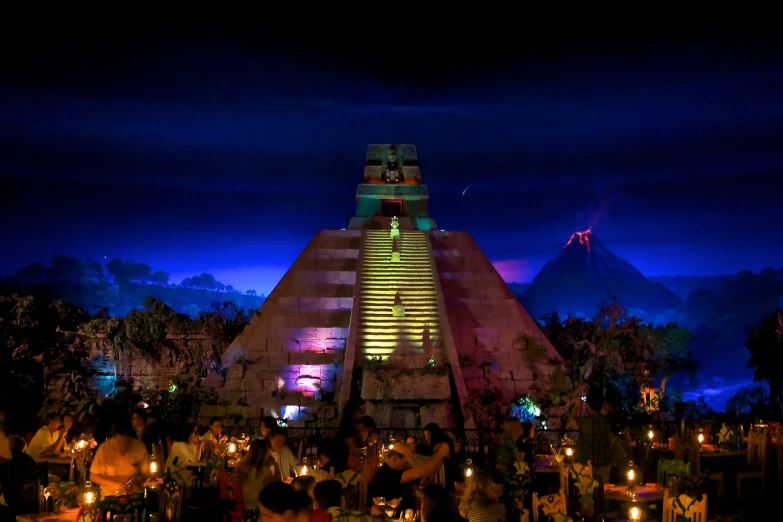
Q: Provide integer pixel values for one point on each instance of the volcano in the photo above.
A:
(586, 274)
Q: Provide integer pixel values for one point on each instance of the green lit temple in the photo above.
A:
(390, 310)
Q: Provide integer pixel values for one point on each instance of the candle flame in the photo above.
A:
(153, 467)
(569, 452)
(631, 474)
(701, 438)
(232, 448)
(89, 497)
(468, 472)
(650, 434)
(635, 513)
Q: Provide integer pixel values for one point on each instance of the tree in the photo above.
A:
(765, 344)
(614, 350)
(159, 277)
(251, 292)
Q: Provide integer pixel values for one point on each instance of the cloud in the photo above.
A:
(514, 270)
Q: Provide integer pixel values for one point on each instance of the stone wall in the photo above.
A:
(499, 345)
(106, 367)
(288, 361)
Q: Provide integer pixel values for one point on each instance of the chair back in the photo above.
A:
(682, 505)
(355, 489)
(126, 508)
(170, 496)
(554, 503)
(231, 492)
(668, 469)
(687, 450)
(757, 447)
(586, 498)
(573, 470)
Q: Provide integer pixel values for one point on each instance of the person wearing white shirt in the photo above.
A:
(50, 439)
(185, 450)
(214, 436)
(282, 453)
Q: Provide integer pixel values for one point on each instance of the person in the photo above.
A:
(394, 479)
(185, 450)
(50, 439)
(121, 461)
(328, 465)
(279, 502)
(266, 425)
(139, 420)
(256, 470)
(329, 498)
(21, 469)
(481, 499)
(214, 436)
(434, 435)
(526, 443)
(507, 447)
(438, 505)
(306, 484)
(5, 445)
(595, 435)
(364, 427)
(282, 453)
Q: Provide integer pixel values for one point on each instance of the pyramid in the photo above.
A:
(391, 311)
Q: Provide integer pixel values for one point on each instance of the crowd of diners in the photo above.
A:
(126, 444)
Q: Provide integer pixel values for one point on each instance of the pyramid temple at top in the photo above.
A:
(390, 310)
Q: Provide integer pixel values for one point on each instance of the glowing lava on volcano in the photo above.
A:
(583, 238)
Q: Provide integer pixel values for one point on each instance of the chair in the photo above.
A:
(576, 470)
(355, 488)
(756, 464)
(668, 469)
(586, 498)
(231, 493)
(675, 507)
(170, 496)
(126, 508)
(549, 505)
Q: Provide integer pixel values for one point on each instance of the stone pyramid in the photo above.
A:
(411, 319)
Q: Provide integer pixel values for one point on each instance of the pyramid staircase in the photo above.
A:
(409, 283)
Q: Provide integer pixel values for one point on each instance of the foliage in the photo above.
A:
(488, 408)
(173, 407)
(71, 394)
(746, 398)
(121, 286)
(525, 409)
(765, 344)
(615, 347)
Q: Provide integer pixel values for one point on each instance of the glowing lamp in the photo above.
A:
(632, 475)
(650, 435)
(569, 452)
(634, 514)
(232, 447)
(700, 438)
(88, 501)
(468, 468)
(303, 467)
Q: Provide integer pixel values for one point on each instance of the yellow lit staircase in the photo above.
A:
(381, 332)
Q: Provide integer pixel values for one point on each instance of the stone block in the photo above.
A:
(310, 358)
(418, 386)
(212, 410)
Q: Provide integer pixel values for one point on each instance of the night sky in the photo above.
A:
(225, 149)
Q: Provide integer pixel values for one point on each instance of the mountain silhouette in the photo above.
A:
(585, 274)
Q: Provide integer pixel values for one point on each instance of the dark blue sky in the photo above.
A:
(223, 151)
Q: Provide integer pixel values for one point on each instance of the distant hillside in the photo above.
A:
(122, 286)
(684, 285)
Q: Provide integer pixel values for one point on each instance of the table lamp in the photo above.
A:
(467, 468)
(632, 475)
(88, 500)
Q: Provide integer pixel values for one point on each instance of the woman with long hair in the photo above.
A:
(481, 501)
(121, 461)
(256, 470)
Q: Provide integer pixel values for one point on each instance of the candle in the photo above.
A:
(153, 467)
(468, 473)
(701, 438)
(569, 452)
(634, 514)
(89, 498)
(232, 447)
(650, 434)
(631, 475)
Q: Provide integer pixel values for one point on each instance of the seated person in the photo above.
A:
(327, 463)
(121, 462)
(21, 468)
(329, 498)
(280, 502)
(214, 436)
(50, 439)
(278, 449)
(394, 479)
(185, 451)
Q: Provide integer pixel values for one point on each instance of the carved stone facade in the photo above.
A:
(386, 315)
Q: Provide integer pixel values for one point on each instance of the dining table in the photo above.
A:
(642, 494)
(68, 515)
